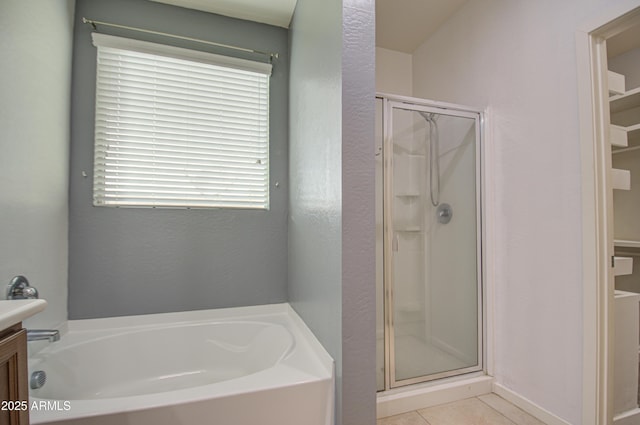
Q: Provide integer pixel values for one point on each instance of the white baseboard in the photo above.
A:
(419, 396)
(529, 406)
(630, 417)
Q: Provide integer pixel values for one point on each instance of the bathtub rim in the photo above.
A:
(280, 376)
(244, 313)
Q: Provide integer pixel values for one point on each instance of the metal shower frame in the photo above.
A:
(390, 102)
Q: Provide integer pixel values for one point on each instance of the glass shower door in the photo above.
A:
(431, 247)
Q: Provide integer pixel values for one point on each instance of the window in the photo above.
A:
(179, 128)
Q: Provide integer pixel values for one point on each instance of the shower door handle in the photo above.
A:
(394, 242)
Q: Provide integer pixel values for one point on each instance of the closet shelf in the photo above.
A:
(622, 266)
(621, 179)
(616, 83)
(622, 102)
(633, 131)
(618, 136)
(630, 134)
(622, 243)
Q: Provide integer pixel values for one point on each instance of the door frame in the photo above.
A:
(597, 198)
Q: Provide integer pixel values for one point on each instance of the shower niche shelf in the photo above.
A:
(407, 195)
(409, 229)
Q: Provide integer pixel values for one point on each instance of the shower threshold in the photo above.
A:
(432, 393)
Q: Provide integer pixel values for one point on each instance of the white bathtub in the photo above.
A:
(248, 365)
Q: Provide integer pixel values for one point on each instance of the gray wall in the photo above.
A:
(358, 213)
(35, 46)
(137, 261)
(315, 160)
(315, 169)
(331, 224)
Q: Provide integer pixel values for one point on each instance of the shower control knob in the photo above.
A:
(444, 213)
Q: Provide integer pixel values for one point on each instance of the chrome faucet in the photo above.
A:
(19, 289)
(41, 334)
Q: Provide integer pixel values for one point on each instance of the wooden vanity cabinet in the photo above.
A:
(14, 391)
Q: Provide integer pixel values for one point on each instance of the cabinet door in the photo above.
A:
(13, 379)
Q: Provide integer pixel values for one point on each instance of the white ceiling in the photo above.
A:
(404, 25)
(272, 12)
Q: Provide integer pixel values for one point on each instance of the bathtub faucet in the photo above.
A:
(42, 334)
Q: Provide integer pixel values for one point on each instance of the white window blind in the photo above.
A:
(179, 128)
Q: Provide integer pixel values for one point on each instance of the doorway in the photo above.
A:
(608, 137)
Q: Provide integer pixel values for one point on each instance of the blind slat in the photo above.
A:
(171, 132)
(176, 128)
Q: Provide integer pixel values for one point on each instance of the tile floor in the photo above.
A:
(488, 409)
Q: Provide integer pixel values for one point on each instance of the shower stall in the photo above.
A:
(428, 241)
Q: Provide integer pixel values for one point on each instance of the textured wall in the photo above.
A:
(136, 261)
(358, 212)
(35, 45)
(518, 59)
(315, 169)
(331, 225)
